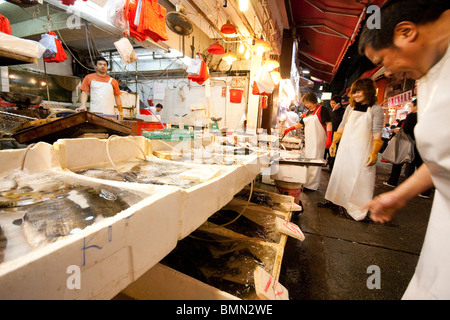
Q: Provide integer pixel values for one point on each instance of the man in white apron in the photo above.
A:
(317, 122)
(420, 48)
(352, 180)
(104, 91)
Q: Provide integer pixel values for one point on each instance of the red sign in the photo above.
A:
(401, 98)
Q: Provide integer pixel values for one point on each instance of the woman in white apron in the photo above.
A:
(352, 180)
(317, 122)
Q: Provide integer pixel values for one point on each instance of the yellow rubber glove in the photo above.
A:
(373, 156)
(119, 107)
(336, 137)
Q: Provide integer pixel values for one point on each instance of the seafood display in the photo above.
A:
(226, 263)
(39, 208)
(225, 255)
(152, 171)
(252, 224)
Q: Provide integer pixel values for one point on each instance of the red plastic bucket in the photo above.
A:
(289, 189)
(236, 95)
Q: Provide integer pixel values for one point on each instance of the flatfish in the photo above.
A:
(245, 226)
(146, 172)
(257, 197)
(79, 207)
(220, 261)
(50, 206)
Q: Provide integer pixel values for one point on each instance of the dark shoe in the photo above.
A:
(326, 204)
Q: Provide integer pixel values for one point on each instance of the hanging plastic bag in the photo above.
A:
(203, 75)
(400, 149)
(126, 50)
(194, 67)
(5, 26)
(48, 41)
(263, 83)
(115, 13)
(60, 53)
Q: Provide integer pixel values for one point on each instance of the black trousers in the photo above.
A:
(410, 168)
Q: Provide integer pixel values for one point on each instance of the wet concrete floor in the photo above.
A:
(334, 261)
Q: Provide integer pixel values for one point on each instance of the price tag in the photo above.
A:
(289, 228)
(267, 288)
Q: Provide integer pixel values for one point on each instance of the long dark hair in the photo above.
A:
(367, 86)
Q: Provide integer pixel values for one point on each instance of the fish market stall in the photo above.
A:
(71, 126)
(62, 233)
(205, 187)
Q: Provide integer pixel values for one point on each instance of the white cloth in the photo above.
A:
(315, 138)
(432, 278)
(102, 97)
(351, 183)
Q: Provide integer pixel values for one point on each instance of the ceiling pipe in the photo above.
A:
(243, 18)
(200, 11)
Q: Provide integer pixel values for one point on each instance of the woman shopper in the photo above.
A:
(408, 127)
(352, 180)
(317, 122)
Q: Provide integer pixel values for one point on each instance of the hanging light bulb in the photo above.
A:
(229, 57)
(247, 54)
(216, 48)
(243, 5)
(259, 51)
(271, 64)
(261, 46)
(241, 48)
(276, 77)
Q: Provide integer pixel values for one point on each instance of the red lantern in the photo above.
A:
(216, 48)
(228, 28)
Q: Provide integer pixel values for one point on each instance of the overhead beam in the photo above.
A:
(35, 26)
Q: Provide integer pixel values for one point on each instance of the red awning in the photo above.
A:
(370, 73)
(326, 29)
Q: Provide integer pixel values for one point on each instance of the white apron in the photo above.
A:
(432, 277)
(351, 183)
(315, 138)
(102, 97)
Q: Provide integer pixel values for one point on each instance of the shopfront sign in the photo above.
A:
(401, 98)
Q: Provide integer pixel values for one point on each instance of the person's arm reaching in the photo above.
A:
(295, 127)
(382, 208)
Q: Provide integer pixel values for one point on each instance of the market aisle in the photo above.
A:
(333, 261)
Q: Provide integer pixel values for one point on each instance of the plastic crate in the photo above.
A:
(172, 134)
(148, 126)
